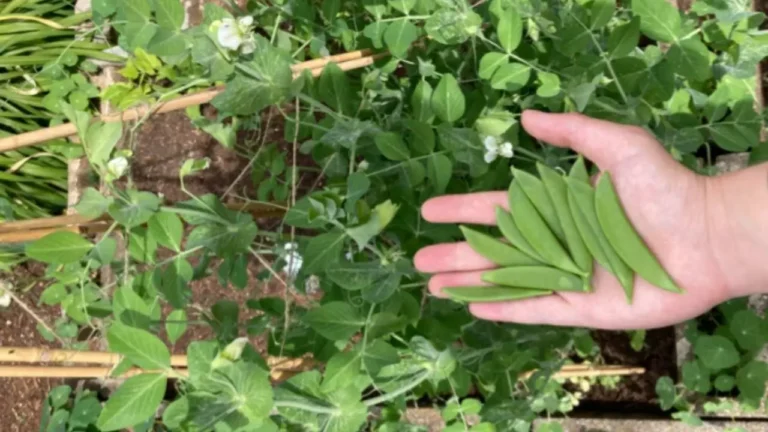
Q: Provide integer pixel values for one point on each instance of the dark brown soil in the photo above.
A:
(658, 357)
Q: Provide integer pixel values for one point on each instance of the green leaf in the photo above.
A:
(101, 140)
(381, 216)
(322, 251)
(169, 43)
(510, 29)
(391, 145)
(751, 379)
(511, 77)
(335, 89)
(690, 58)
(385, 323)
(665, 390)
(490, 63)
(336, 321)
(381, 291)
(452, 27)
(379, 354)
(62, 247)
(262, 82)
(549, 85)
(696, 377)
(169, 14)
(330, 9)
(659, 20)
(85, 412)
(399, 36)
(135, 401)
(173, 282)
(421, 102)
(92, 204)
(725, 383)
(439, 171)
(739, 131)
(141, 246)
(167, 230)
(601, 13)
(747, 328)
(375, 32)
(341, 370)
(688, 418)
(550, 427)
(448, 101)
(356, 276)
(716, 352)
(54, 294)
(142, 348)
(176, 325)
(404, 6)
(135, 208)
(423, 137)
(624, 39)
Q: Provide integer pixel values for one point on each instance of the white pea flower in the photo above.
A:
(5, 296)
(117, 167)
(230, 354)
(236, 34)
(293, 260)
(363, 165)
(348, 256)
(494, 149)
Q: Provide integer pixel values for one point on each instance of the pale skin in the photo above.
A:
(710, 233)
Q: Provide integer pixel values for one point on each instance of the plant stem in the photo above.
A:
(317, 409)
(401, 391)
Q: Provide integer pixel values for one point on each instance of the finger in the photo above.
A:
(476, 208)
(450, 257)
(601, 141)
(550, 310)
(447, 280)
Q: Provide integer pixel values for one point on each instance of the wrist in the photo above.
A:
(737, 222)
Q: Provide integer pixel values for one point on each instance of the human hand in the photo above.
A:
(671, 207)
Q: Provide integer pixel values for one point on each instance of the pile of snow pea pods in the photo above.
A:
(558, 225)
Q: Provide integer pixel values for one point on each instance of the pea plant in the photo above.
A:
(439, 113)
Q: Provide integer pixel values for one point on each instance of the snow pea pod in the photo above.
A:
(558, 193)
(536, 277)
(579, 170)
(537, 193)
(581, 199)
(508, 228)
(495, 251)
(488, 294)
(625, 240)
(537, 233)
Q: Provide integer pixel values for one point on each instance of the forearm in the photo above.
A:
(737, 206)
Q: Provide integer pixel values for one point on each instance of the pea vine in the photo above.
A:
(439, 114)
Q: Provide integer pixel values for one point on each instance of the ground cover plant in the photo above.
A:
(439, 114)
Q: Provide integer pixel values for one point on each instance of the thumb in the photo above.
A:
(603, 142)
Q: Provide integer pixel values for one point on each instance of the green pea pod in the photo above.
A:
(537, 233)
(488, 294)
(625, 240)
(536, 277)
(558, 193)
(581, 200)
(579, 170)
(537, 193)
(509, 229)
(495, 251)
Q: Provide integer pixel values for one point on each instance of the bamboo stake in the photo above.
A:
(26, 236)
(44, 355)
(350, 61)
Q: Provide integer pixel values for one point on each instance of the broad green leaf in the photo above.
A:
(449, 26)
(748, 330)
(751, 379)
(550, 427)
(448, 101)
(624, 39)
(335, 89)
(176, 413)
(716, 352)
(167, 229)
(549, 85)
(491, 62)
(404, 6)
(101, 140)
(510, 30)
(54, 294)
(134, 208)
(59, 396)
(665, 390)
(375, 32)
(134, 401)
(263, 81)
(92, 204)
(381, 291)
(391, 145)
(105, 250)
(511, 77)
(690, 58)
(140, 347)
(356, 276)
(725, 383)
(581, 95)
(688, 418)
(142, 246)
(85, 412)
(62, 247)
(358, 185)
(176, 325)
(381, 216)
(173, 282)
(696, 377)
(385, 323)
(169, 43)
(421, 102)
(659, 20)
(399, 36)
(335, 321)
(439, 170)
(739, 131)
(225, 239)
(169, 14)
(330, 9)
(341, 370)
(131, 309)
(379, 354)
(322, 251)
(422, 137)
(601, 13)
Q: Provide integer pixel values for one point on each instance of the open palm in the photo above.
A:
(666, 203)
